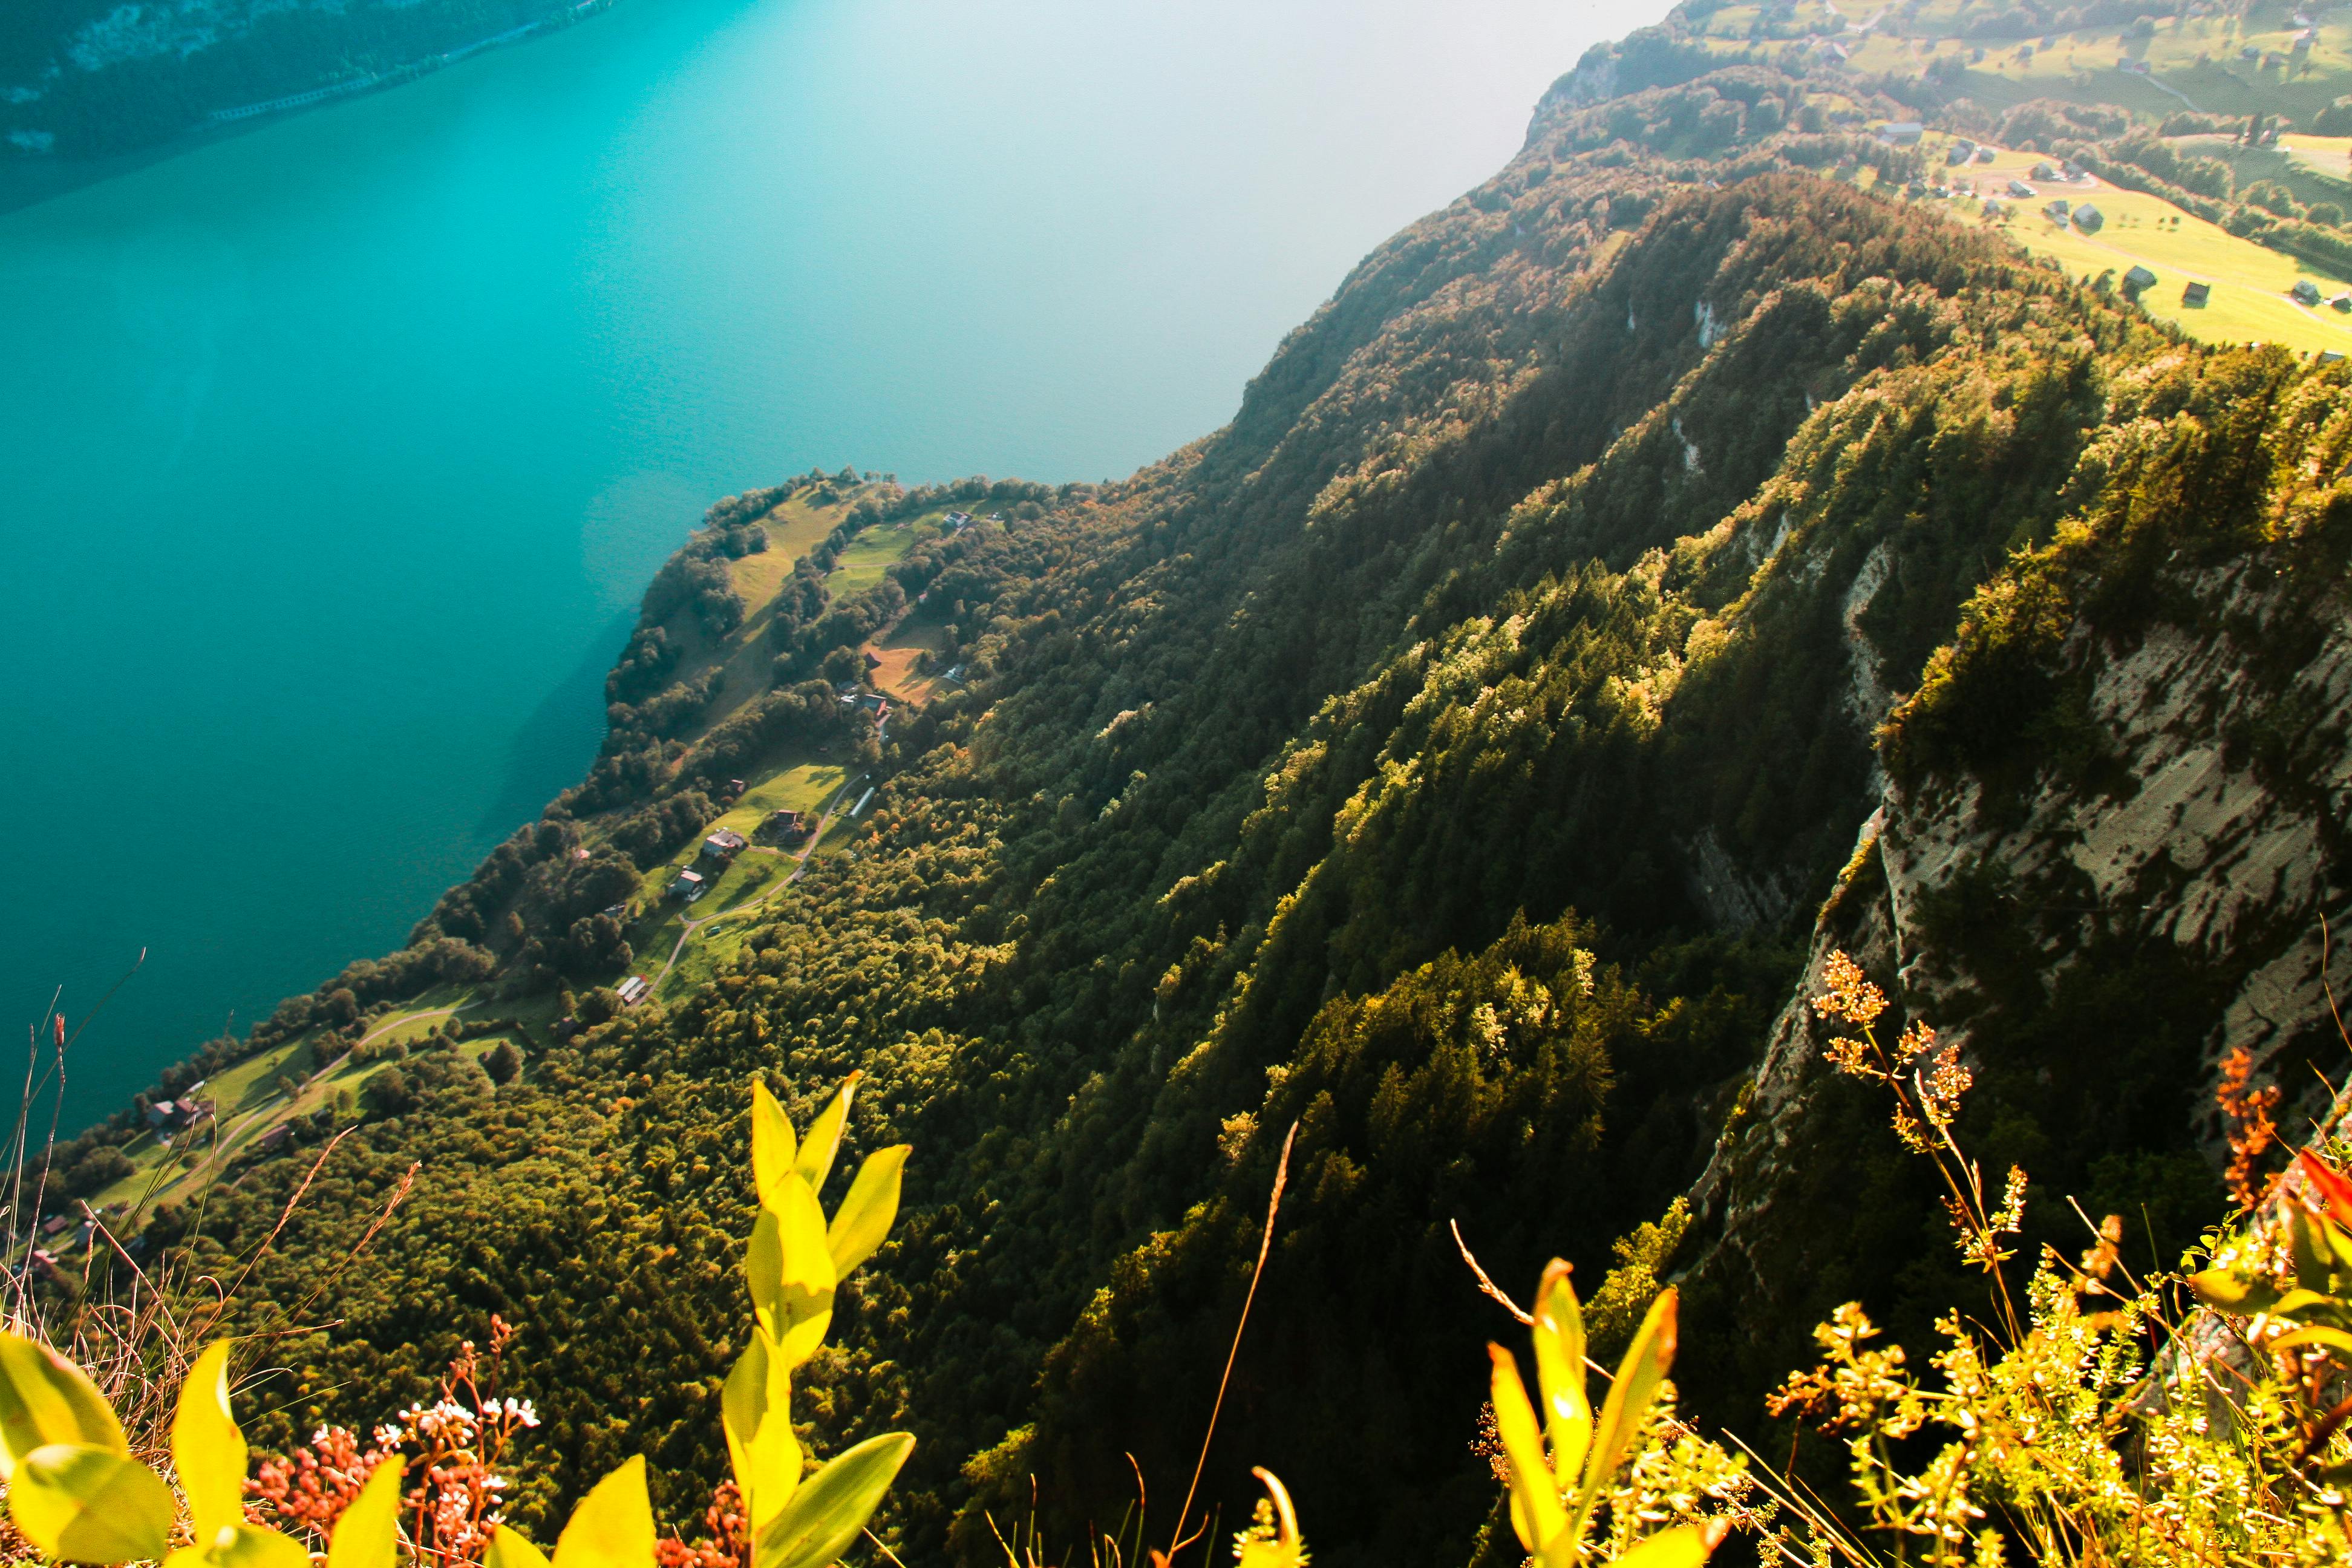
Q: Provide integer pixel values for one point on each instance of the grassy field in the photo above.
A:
(799, 786)
(250, 1101)
(794, 528)
(2248, 283)
(2192, 61)
(883, 545)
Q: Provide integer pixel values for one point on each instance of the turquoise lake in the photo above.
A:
(334, 456)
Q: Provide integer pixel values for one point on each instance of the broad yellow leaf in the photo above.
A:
(802, 1305)
(863, 1218)
(773, 1145)
(510, 1549)
(207, 1449)
(742, 1403)
(756, 1414)
(242, 1546)
(1684, 1546)
(88, 1504)
(614, 1525)
(368, 1534)
(1536, 1512)
(1560, 1370)
(45, 1399)
(1628, 1404)
(826, 1515)
(825, 1138)
(763, 1268)
(2231, 1291)
(2317, 1334)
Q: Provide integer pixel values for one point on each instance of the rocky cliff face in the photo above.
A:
(2164, 894)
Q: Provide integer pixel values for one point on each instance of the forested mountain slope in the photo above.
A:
(1449, 757)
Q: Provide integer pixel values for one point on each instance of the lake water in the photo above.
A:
(333, 456)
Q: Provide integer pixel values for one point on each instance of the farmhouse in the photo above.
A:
(2139, 277)
(688, 885)
(2088, 219)
(2021, 191)
(724, 845)
(2196, 294)
(2304, 292)
(633, 990)
(1902, 132)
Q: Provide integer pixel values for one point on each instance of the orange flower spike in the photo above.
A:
(2331, 1190)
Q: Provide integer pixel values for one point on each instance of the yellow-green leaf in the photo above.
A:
(1628, 1404)
(832, 1506)
(2317, 1334)
(742, 1405)
(45, 1399)
(1536, 1515)
(824, 1137)
(368, 1534)
(1684, 1546)
(804, 1304)
(764, 1267)
(773, 1145)
(2232, 1291)
(242, 1546)
(756, 1414)
(509, 1548)
(863, 1218)
(207, 1449)
(614, 1525)
(1560, 1369)
(84, 1503)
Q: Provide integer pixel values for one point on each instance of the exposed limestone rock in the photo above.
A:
(2180, 839)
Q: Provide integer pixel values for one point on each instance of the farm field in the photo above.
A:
(801, 786)
(250, 1100)
(2191, 62)
(2248, 283)
(794, 528)
(916, 634)
(878, 548)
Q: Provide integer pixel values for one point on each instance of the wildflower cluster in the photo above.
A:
(725, 1544)
(1928, 1081)
(2115, 1421)
(2247, 1109)
(451, 1454)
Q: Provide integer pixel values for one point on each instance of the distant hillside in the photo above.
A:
(80, 79)
(1688, 552)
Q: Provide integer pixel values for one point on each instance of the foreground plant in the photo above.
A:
(1564, 1468)
(2110, 1423)
(78, 1494)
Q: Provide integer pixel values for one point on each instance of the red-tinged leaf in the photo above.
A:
(2331, 1192)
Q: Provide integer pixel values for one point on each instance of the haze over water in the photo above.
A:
(333, 456)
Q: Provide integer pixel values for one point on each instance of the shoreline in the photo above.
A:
(28, 182)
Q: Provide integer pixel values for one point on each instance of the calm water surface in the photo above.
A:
(332, 458)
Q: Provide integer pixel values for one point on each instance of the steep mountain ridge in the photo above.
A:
(1450, 758)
